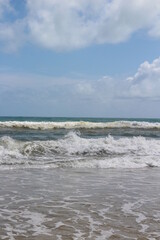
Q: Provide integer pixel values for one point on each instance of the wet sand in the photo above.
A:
(80, 204)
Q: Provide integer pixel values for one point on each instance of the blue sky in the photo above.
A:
(93, 58)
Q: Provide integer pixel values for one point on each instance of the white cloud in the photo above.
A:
(144, 85)
(11, 32)
(5, 7)
(66, 25)
(12, 36)
(146, 82)
(138, 95)
(84, 88)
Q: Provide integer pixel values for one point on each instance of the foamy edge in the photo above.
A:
(79, 125)
(74, 151)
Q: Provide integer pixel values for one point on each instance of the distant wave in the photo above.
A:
(79, 125)
(75, 151)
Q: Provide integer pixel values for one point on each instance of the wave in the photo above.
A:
(75, 151)
(79, 125)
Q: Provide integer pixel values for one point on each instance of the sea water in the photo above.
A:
(70, 178)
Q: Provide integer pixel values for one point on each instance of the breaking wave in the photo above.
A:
(75, 151)
(79, 125)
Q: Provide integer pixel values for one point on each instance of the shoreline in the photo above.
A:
(80, 204)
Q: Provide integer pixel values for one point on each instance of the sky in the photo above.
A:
(80, 58)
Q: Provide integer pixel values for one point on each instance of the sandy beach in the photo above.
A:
(80, 204)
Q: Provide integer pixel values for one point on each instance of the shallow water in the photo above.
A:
(80, 204)
(79, 179)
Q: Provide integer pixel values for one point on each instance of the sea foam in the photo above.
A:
(75, 151)
(79, 125)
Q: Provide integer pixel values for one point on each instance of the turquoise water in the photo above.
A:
(64, 119)
(38, 128)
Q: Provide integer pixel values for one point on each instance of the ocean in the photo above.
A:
(79, 178)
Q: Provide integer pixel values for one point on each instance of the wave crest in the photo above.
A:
(79, 125)
(75, 151)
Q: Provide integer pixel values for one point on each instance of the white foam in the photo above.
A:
(75, 151)
(36, 221)
(133, 209)
(105, 234)
(79, 125)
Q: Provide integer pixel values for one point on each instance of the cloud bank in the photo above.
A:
(106, 96)
(67, 25)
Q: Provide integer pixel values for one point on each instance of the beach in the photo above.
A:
(79, 120)
(80, 204)
(79, 179)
